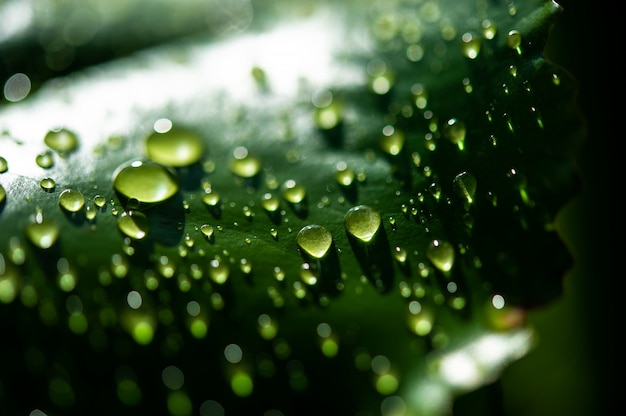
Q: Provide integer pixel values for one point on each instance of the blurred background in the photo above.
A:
(575, 369)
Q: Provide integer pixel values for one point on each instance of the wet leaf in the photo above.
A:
(339, 207)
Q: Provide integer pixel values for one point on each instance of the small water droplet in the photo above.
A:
(362, 222)
(3, 194)
(294, 192)
(45, 159)
(146, 182)
(307, 275)
(71, 200)
(133, 224)
(455, 131)
(47, 184)
(61, 140)
(514, 41)
(471, 45)
(344, 175)
(4, 165)
(176, 147)
(441, 254)
(219, 270)
(99, 201)
(465, 185)
(211, 199)
(244, 164)
(43, 234)
(207, 230)
(314, 240)
(392, 140)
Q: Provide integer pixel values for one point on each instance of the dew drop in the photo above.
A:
(441, 254)
(99, 201)
(211, 199)
(45, 159)
(514, 41)
(61, 140)
(455, 131)
(344, 175)
(4, 165)
(471, 45)
(245, 165)
(134, 224)
(176, 147)
(42, 234)
(293, 191)
(47, 184)
(207, 230)
(465, 185)
(71, 200)
(146, 182)
(362, 222)
(219, 270)
(270, 203)
(392, 140)
(314, 240)
(3, 194)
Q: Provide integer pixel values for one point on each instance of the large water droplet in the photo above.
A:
(71, 200)
(441, 254)
(145, 182)
(134, 224)
(362, 222)
(61, 140)
(314, 240)
(176, 147)
(42, 234)
(4, 165)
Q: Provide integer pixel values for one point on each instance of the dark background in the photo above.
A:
(575, 369)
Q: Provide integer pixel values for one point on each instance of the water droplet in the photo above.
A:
(314, 240)
(211, 199)
(3, 194)
(441, 254)
(471, 45)
(207, 230)
(465, 185)
(134, 224)
(146, 182)
(392, 140)
(99, 201)
(4, 165)
(61, 140)
(45, 160)
(329, 116)
(344, 175)
(307, 275)
(245, 165)
(293, 192)
(176, 147)
(455, 131)
(362, 222)
(219, 270)
(71, 200)
(514, 41)
(47, 184)
(270, 203)
(43, 234)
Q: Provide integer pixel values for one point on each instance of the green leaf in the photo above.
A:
(336, 207)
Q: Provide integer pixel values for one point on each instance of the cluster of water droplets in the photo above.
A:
(428, 273)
